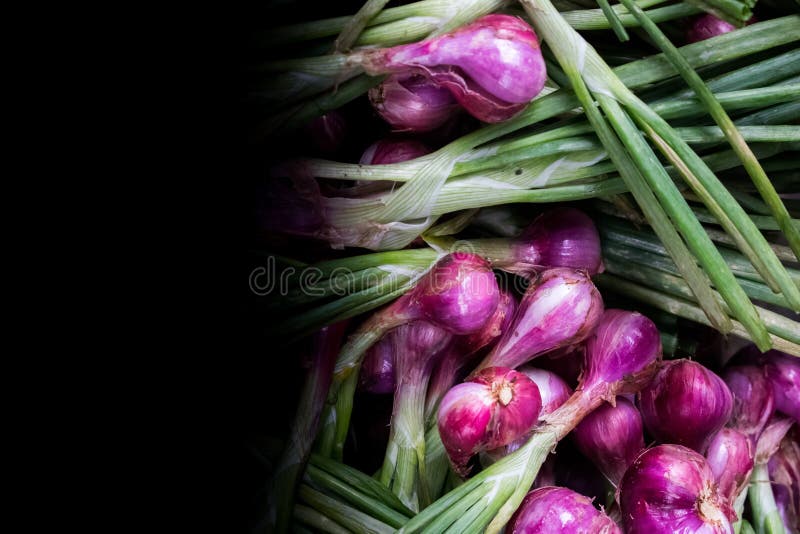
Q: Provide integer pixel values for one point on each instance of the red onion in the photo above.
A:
(377, 371)
(413, 103)
(328, 132)
(493, 66)
(388, 151)
(463, 349)
(562, 237)
(784, 373)
(611, 436)
(557, 510)
(784, 472)
(560, 308)
(566, 362)
(492, 409)
(731, 455)
(753, 402)
(621, 354)
(670, 489)
(459, 293)
(553, 390)
(708, 26)
(685, 404)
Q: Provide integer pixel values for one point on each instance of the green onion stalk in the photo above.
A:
(766, 518)
(585, 69)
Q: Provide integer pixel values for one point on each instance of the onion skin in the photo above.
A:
(560, 308)
(685, 404)
(611, 436)
(669, 489)
(731, 456)
(412, 103)
(753, 402)
(562, 237)
(623, 350)
(784, 373)
(552, 510)
(459, 294)
(377, 371)
(464, 349)
(386, 151)
(552, 389)
(328, 132)
(708, 26)
(494, 408)
(493, 66)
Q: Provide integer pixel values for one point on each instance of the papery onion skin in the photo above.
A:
(561, 308)
(412, 103)
(753, 401)
(562, 237)
(686, 404)
(731, 456)
(552, 510)
(386, 151)
(493, 66)
(612, 437)
(494, 408)
(669, 489)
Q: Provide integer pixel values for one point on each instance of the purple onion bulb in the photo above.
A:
(377, 370)
(493, 66)
(753, 402)
(554, 510)
(386, 151)
(491, 410)
(708, 26)
(463, 351)
(731, 457)
(669, 489)
(622, 352)
(611, 436)
(460, 293)
(685, 404)
(783, 372)
(561, 308)
(562, 237)
(328, 132)
(553, 390)
(413, 103)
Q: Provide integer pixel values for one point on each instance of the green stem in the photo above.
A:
(363, 502)
(353, 28)
(347, 516)
(766, 518)
(725, 123)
